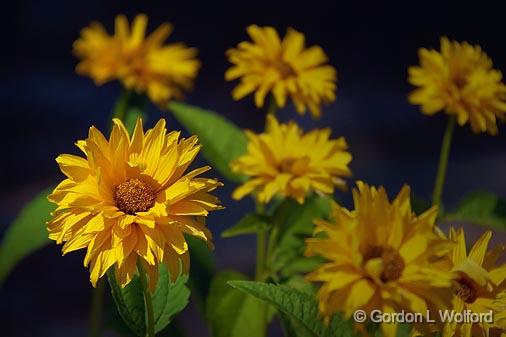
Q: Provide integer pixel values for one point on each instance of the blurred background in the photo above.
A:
(46, 107)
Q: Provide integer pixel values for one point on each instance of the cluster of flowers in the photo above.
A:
(130, 199)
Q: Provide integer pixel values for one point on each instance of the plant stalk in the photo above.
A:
(150, 321)
(261, 246)
(443, 164)
(260, 265)
(272, 107)
(97, 304)
(122, 104)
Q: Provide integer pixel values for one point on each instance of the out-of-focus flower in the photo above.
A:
(284, 68)
(129, 201)
(285, 161)
(479, 281)
(142, 63)
(380, 256)
(460, 80)
(500, 315)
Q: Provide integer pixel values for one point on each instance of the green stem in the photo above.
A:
(261, 239)
(273, 236)
(272, 106)
(260, 266)
(97, 299)
(443, 163)
(150, 321)
(97, 303)
(122, 104)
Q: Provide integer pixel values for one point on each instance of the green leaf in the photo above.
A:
(168, 299)
(290, 327)
(297, 219)
(232, 313)
(403, 330)
(130, 303)
(26, 234)
(249, 224)
(114, 321)
(300, 307)
(299, 283)
(221, 140)
(296, 224)
(301, 264)
(481, 208)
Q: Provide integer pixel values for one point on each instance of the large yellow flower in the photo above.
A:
(129, 201)
(285, 161)
(282, 68)
(479, 281)
(461, 81)
(142, 63)
(380, 256)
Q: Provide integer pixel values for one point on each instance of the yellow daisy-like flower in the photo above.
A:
(461, 81)
(380, 256)
(285, 161)
(500, 316)
(130, 200)
(143, 64)
(479, 281)
(282, 68)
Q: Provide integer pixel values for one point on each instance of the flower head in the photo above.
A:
(460, 80)
(130, 200)
(285, 161)
(478, 283)
(380, 256)
(142, 63)
(283, 68)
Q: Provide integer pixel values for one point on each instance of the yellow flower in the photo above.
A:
(500, 316)
(380, 256)
(143, 64)
(285, 161)
(282, 68)
(477, 285)
(129, 201)
(461, 81)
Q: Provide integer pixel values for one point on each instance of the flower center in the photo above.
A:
(284, 69)
(393, 263)
(464, 289)
(460, 81)
(134, 196)
(286, 165)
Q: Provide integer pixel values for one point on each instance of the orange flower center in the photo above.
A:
(393, 263)
(286, 165)
(134, 196)
(464, 289)
(285, 69)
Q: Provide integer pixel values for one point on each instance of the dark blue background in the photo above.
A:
(45, 107)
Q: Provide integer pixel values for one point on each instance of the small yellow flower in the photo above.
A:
(285, 161)
(380, 256)
(129, 201)
(141, 63)
(479, 281)
(461, 81)
(500, 316)
(282, 68)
